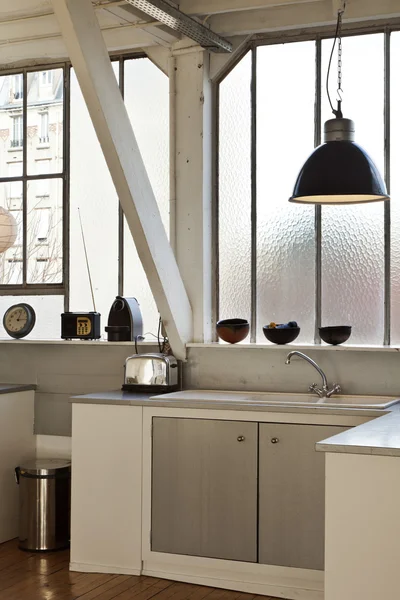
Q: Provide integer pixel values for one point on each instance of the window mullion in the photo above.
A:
(24, 174)
(387, 216)
(253, 322)
(66, 184)
(318, 208)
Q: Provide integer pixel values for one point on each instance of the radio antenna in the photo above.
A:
(87, 261)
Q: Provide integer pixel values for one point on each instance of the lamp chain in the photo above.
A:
(338, 38)
(340, 51)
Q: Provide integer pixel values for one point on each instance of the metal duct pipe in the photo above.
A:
(179, 21)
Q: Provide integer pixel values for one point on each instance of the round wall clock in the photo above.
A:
(19, 320)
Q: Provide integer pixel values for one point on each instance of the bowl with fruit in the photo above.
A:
(281, 333)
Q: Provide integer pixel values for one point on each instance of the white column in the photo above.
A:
(89, 56)
(191, 96)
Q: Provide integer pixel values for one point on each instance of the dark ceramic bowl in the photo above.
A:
(233, 330)
(335, 335)
(281, 336)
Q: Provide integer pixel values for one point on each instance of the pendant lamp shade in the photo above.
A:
(339, 171)
(8, 230)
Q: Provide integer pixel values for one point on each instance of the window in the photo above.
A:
(17, 87)
(316, 265)
(15, 189)
(41, 176)
(42, 218)
(36, 193)
(43, 167)
(114, 263)
(46, 77)
(17, 139)
(44, 128)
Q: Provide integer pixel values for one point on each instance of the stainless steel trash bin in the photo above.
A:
(44, 503)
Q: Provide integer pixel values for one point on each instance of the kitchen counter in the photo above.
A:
(380, 436)
(214, 400)
(8, 388)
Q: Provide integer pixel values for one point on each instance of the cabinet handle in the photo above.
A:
(241, 438)
(274, 440)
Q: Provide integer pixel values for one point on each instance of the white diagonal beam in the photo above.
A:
(90, 59)
(211, 7)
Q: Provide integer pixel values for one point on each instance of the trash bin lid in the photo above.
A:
(45, 466)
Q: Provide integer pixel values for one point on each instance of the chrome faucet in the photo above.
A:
(323, 392)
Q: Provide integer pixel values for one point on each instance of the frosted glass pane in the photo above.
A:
(285, 232)
(48, 311)
(395, 184)
(353, 236)
(235, 193)
(147, 101)
(93, 192)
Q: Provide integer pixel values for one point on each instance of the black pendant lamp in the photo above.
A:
(339, 171)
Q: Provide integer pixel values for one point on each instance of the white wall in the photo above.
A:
(263, 369)
(61, 370)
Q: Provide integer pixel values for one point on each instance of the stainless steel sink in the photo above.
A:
(339, 401)
(261, 399)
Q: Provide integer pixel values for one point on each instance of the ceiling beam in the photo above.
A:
(164, 35)
(282, 17)
(213, 7)
(116, 38)
(295, 16)
(90, 59)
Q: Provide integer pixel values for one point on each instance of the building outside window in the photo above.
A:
(17, 91)
(17, 139)
(44, 128)
(46, 77)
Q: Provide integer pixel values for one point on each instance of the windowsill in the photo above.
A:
(214, 345)
(60, 342)
(15, 149)
(44, 146)
(305, 347)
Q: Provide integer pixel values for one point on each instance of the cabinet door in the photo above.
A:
(292, 494)
(204, 495)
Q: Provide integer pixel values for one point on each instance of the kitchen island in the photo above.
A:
(205, 487)
(362, 507)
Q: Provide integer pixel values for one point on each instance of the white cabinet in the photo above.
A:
(292, 494)
(17, 445)
(204, 488)
(246, 491)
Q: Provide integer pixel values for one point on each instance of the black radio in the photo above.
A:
(80, 326)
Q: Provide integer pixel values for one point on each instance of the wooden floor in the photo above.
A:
(32, 576)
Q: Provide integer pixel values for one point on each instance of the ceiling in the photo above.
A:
(29, 32)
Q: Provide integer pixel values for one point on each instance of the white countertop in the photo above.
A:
(380, 436)
(215, 400)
